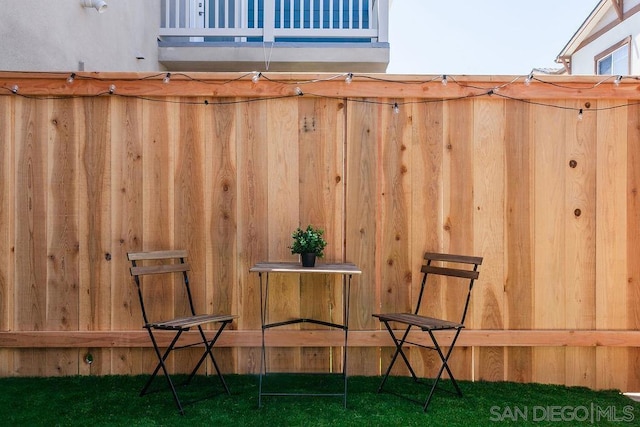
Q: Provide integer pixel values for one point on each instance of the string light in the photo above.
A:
(256, 76)
(167, 78)
(527, 81)
(396, 108)
(481, 90)
(445, 79)
(349, 78)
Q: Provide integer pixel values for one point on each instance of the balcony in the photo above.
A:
(274, 35)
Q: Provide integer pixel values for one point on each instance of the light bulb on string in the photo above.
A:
(71, 78)
(299, 91)
(527, 81)
(349, 78)
(256, 76)
(14, 89)
(112, 89)
(580, 114)
(396, 108)
(444, 80)
(167, 78)
(617, 80)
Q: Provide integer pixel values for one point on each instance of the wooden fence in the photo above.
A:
(227, 168)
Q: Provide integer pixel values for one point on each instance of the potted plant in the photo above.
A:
(309, 244)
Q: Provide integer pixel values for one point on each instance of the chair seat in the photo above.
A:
(191, 321)
(423, 322)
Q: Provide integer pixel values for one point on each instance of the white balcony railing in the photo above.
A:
(275, 20)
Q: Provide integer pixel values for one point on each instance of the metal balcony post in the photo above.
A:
(269, 20)
(382, 20)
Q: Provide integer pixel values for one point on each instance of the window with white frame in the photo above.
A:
(615, 60)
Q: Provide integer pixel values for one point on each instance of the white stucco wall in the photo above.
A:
(57, 35)
(583, 60)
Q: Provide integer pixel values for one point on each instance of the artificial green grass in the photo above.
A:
(115, 401)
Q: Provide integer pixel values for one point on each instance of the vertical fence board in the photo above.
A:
(253, 243)
(458, 164)
(189, 211)
(320, 136)
(361, 245)
(158, 177)
(580, 216)
(395, 207)
(221, 218)
(62, 233)
(7, 207)
(31, 232)
(127, 225)
(633, 239)
(395, 218)
(94, 225)
(426, 153)
(549, 237)
(519, 245)
(487, 309)
(283, 211)
(611, 241)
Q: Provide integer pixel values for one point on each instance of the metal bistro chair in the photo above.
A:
(449, 267)
(172, 263)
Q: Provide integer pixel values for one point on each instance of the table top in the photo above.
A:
(296, 267)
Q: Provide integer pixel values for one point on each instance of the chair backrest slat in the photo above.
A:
(138, 256)
(170, 262)
(451, 268)
(463, 259)
(453, 272)
(159, 269)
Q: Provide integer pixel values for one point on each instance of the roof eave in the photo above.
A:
(585, 29)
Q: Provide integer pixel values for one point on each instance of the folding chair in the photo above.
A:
(449, 268)
(172, 264)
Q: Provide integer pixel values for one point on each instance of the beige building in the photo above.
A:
(190, 35)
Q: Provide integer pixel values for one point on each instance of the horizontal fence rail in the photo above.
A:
(317, 338)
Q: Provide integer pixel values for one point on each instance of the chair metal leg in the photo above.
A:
(161, 364)
(444, 358)
(162, 357)
(398, 343)
(445, 366)
(209, 351)
(213, 359)
(264, 302)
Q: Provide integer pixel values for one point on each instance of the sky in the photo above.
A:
(481, 37)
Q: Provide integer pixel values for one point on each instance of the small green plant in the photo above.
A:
(308, 241)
